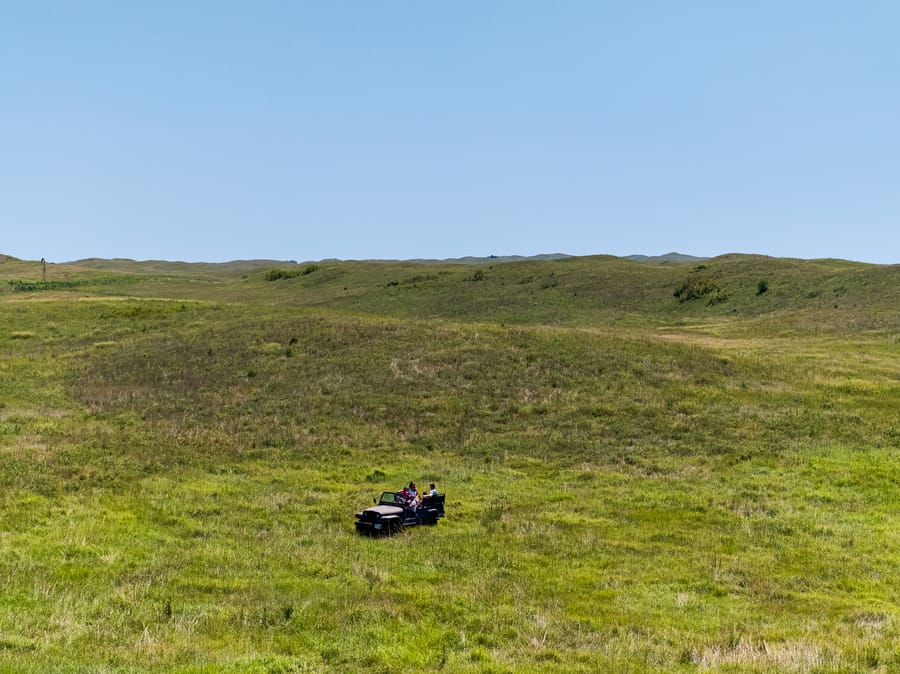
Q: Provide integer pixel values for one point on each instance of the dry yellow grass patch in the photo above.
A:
(786, 656)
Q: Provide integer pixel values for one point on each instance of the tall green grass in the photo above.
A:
(646, 489)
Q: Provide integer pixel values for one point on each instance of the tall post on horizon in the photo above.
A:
(43, 269)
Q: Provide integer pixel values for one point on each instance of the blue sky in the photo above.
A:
(395, 129)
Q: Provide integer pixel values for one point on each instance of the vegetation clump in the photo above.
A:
(44, 285)
(700, 287)
(281, 274)
(38, 286)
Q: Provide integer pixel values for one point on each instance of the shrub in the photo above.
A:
(696, 288)
(280, 274)
(762, 286)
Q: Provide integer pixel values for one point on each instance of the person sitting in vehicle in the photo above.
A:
(432, 490)
(412, 496)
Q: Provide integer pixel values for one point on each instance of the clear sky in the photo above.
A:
(305, 129)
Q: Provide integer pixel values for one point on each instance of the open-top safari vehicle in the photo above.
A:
(393, 512)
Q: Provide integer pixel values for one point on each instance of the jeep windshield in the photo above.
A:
(390, 498)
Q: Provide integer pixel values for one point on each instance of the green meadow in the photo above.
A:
(673, 467)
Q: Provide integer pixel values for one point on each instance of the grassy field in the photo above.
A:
(648, 467)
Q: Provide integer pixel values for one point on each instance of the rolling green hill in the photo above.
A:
(649, 467)
(805, 295)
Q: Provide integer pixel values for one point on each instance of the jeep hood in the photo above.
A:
(385, 510)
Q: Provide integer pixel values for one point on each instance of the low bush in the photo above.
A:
(696, 288)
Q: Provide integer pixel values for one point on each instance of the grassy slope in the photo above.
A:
(805, 296)
(635, 484)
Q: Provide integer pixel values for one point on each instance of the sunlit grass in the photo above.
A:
(180, 477)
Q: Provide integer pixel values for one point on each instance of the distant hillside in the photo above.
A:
(596, 290)
(790, 294)
(491, 259)
(161, 266)
(668, 257)
(470, 259)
